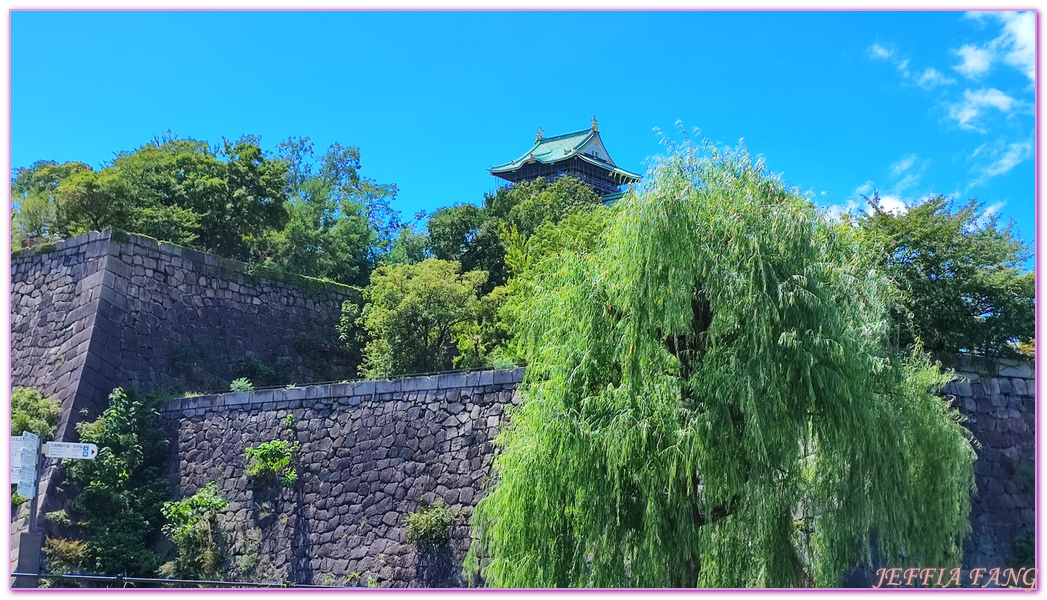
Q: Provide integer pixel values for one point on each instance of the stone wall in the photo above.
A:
(108, 309)
(104, 310)
(54, 304)
(373, 452)
(370, 454)
(999, 402)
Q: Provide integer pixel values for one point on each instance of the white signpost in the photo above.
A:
(70, 450)
(28, 459)
(25, 462)
(16, 456)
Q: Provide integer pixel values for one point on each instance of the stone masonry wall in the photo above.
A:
(999, 401)
(54, 300)
(109, 309)
(371, 453)
(104, 310)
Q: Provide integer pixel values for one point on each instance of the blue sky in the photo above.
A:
(839, 103)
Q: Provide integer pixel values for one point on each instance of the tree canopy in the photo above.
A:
(961, 276)
(711, 399)
(415, 315)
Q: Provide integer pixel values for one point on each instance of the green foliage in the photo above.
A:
(961, 277)
(341, 224)
(16, 500)
(415, 314)
(31, 411)
(35, 209)
(290, 424)
(258, 373)
(271, 460)
(62, 557)
(715, 366)
(59, 517)
(120, 493)
(241, 384)
(1023, 550)
(468, 235)
(192, 526)
(430, 526)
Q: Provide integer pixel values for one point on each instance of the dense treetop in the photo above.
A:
(712, 399)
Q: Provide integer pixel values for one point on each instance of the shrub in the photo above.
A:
(193, 530)
(271, 460)
(63, 556)
(250, 367)
(1023, 550)
(120, 492)
(31, 411)
(241, 384)
(430, 527)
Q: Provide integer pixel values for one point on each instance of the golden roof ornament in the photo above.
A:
(539, 138)
(595, 128)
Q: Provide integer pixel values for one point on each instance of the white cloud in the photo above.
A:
(999, 158)
(878, 51)
(931, 78)
(976, 61)
(903, 165)
(1015, 46)
(1018, 41)
(893, 204)
(1012, 156)
(971, 107)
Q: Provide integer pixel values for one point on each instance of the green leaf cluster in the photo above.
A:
(192, 526)
(120, 493)
(32, 412)
(414, 315)
(272, 460)
(430, 526)
(712, 400)
(960, 273)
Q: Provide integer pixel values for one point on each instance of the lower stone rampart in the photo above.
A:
(370, 454)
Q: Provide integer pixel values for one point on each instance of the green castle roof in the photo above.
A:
(562, 147)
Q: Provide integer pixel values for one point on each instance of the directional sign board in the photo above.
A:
(16, 455)
(27, 464)
(70, 450)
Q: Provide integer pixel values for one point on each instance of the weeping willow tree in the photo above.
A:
(711, 399)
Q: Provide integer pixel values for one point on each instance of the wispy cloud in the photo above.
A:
(931, 77)
(1015, 45)
(880, 52)
(999, 158)
(903, 165)
(966, 111)
(988, 213)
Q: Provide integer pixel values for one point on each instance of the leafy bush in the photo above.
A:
(31, 411)
(290, 423)
(241, 384)
(1023, 550)
(430, 527)
(16, 500)
(271, 460)
(964, 287)
(193, 529)
(64, 556)
(250, 367)
(415, 316)
(121, 492)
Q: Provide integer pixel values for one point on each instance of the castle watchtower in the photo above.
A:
(580, 154)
